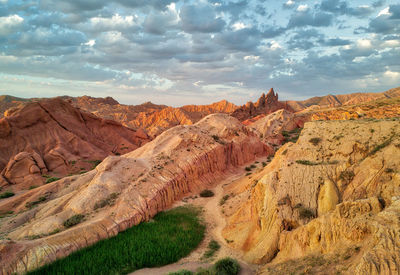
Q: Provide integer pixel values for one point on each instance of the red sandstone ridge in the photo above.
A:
(53, 137)
(153, 118)
(265, 105)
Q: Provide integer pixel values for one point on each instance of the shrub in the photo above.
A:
(305, 213)
(32, 187)
(110, 200)
(248, 168)
(52, 179)
(227, 266)
(213, 247)
(253, 166)
(181, 272)
(32, 204)
(264, 164)
(6, 195)
(315, 141)
(206, 193)
(215, 137)
(74, 220)
(305, 162)
(347, 176)
(223, 199)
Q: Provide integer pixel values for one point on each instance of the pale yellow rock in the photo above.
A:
(328, 197)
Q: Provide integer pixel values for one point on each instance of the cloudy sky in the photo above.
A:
(197, 51)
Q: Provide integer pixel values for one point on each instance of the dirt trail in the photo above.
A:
(215, 223)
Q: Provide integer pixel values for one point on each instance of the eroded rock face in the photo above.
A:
(52, 136)
(182, 160)
(152, 118)
(266, 104)
(336, 187)
(270, 127)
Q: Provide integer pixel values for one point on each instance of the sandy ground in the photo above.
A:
(215, 222)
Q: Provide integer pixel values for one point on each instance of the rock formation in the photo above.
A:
(182, 160)
(266, 104)
(154, 119)
(51, 136)
(333, 192)
(345, 99)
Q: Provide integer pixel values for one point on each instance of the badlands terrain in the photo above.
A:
(299, 186)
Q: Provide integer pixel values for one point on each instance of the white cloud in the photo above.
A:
(385, 11)
(302, 7)
(239, 25)
(10, 24)
(391, 74)
(289, 3)
(116, 22)
(364, 43)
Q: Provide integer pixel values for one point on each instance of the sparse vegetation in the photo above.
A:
(5, 214)
(52, 179)
(172, 235)
(206, 193)
(264, 164)
(347, 176)
(74, 220)
(32, 187)
(380, 146)
(110, 200)
(181, 272)
(32, 204)
(213, 246)
(223, 200)
(315, 141)
(305, 162)
(6, 194)
(248, 168)
(305, 213)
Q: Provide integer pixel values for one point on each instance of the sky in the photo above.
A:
(198, 52)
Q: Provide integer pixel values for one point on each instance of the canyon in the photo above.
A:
(310, 186)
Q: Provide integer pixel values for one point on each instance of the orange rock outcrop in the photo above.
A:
(51, 136)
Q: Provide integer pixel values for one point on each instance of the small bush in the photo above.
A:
(181, 272)
(264, 164)
(6, 195)
(347, 176)
(305, 162)
(253, 166)
(74, 220)
(52, 179)
(248, 168)
(315, 141)
(206, 193)
(213, 247)
(223, 199)
(32, 204)
(389, 170)
(305, 213)
(215, 137)
(110, 200)
(32, 187)
(227, 266)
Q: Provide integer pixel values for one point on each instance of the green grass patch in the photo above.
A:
(6, 195)
(172, 235)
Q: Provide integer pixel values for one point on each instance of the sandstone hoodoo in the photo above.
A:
(265, 105)
(52, 138)
(123, 190)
